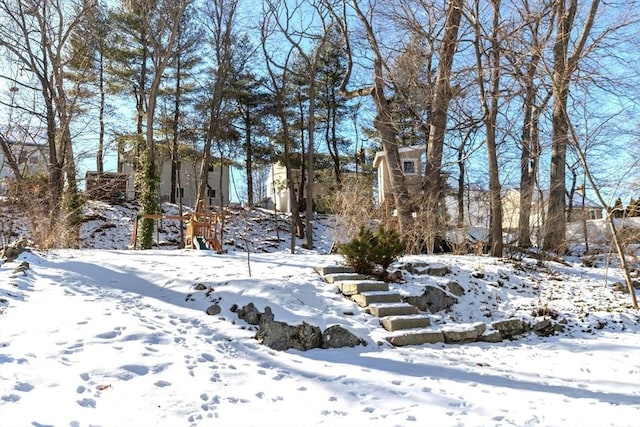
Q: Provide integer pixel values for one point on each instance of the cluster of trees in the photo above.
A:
(505, 89)
(619, 211)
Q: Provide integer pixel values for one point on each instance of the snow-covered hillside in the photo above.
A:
(110, 336)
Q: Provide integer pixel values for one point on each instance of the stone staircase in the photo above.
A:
(403, 320)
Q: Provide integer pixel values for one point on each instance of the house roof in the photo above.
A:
(579, 199)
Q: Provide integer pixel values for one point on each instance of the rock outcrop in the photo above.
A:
(282, 336)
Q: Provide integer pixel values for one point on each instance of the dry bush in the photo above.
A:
(428, 232)
(352, 207)
(629, 238)
(31, 197)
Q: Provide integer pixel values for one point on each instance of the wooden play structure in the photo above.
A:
(203, 229)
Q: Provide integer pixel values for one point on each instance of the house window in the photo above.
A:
(409, 167)
(180, 192)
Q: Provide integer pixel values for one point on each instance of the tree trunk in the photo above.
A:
(175, 138)
(249, 157)
(489, 100)
(564, 65)
(434, 187)
(100, 154)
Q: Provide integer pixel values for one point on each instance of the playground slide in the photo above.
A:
(201, 243)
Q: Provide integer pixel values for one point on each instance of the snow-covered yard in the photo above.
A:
(116, 337)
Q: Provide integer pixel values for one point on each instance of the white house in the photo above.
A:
(30, 156)
(278, 190)
(413, 160)
(189, 171)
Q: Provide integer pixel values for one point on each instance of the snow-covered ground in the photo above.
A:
(116, 337)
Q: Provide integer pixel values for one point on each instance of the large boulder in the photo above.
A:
(433, 299)
(13, 250)
(250, 314)
(511, 328)
(281, 336)
(463, 333)
(337, 337)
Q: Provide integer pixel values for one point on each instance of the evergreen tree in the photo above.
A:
(332, 108)
(253, 104)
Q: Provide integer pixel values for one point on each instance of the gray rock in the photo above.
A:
(281, 336)
(438, 271)
(199, 286)
(416, 267)
(14, 250)
(455, 289)
(491, 336)
(434, 299)
(213, 310)
(22, 268)
(250, 314)
(464, 333)
(511, 328)
(337, 337)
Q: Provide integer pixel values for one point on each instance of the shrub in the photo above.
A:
(388, 247)
(357, 252)
(368, 250)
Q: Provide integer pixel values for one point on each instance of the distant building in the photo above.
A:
(189, 172)
(31, 157)
(582, 208)
(324, 186)
(412, 163)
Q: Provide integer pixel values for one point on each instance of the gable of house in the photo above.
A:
(412, 164)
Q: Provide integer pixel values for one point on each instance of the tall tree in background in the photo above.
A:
(524, 53)
(127, 71)
(180, 90)
(87, 62)
(434, 187)
(279, 63)
(220, 24)
(252, 103)
(161, 23)
(487, 46)
(332, 108)
(315, 28)
(383, 121)
(37, 37)
(566, 58)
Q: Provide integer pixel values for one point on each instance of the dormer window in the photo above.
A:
(409, 167)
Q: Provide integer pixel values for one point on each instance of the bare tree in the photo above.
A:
(279, 73)
(221, 16)
(565, 64)
(161, 21)
(524, 54)
(311, 14)
(434, 187)
(36, 35)
(487, 48)
(384, 119)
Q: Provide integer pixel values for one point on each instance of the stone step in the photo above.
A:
(334, 269)
(364, 299)
(339, 277)
(416, 337)
(352, 287)
(412, 321)
(391, 309)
